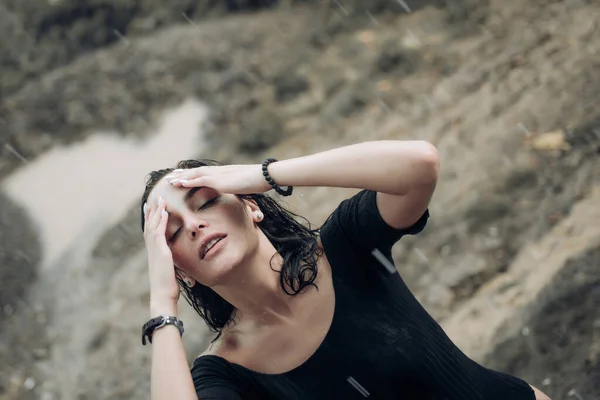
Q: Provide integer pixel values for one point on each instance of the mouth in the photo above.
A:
(210, 243)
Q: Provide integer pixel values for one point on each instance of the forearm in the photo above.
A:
(539, 395)
(388, 166)
(170, 376)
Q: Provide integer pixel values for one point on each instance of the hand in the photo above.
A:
(164, 288)
(233, 179)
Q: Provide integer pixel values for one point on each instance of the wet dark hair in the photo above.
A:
(296, 243)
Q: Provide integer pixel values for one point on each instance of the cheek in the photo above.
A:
(182, 257)
(236, 211)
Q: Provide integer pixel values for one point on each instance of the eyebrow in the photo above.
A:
(192, 192)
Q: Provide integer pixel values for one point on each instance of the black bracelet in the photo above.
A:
(265, 164)
(158, 322)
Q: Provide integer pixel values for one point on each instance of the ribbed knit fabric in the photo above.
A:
(382, 343)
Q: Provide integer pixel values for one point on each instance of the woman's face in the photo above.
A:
(209, 233)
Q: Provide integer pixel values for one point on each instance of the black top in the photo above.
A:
(382, 344)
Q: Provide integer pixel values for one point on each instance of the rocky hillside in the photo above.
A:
(507, 90)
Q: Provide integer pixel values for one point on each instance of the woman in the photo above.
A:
(301, 313)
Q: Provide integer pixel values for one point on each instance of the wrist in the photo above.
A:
(275, 184)
(164, 307)
(160, 323)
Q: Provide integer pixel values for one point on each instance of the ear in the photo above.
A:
(188, 280)
(253, 210)
(251, 205)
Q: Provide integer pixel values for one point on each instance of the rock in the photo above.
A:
(494, 197)
(20, 254)
(558, 347)
(289, 85)
(263, 128)
(124, 88)
(555, 279)
(549, 141)
(349, 100)
(119, 242)
(396, 59)
(113, 332)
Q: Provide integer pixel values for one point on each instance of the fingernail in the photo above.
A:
(174, 181)
(145, 208)
(178, 170)
(183, 182)
(164, 212)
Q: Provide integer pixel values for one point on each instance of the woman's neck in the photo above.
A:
(254, 288)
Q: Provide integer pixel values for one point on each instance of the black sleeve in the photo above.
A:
(358, 221)
(218, 393)
(214, 381)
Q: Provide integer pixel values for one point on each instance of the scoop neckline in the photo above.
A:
(305, 362)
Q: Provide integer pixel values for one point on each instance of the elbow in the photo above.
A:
(428, 161)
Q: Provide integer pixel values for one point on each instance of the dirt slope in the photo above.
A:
(486, 84)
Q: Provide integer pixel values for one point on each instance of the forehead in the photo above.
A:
(167, 191)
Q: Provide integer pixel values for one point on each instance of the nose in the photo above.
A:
(194, 228)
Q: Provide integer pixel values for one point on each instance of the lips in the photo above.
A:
(209, 242)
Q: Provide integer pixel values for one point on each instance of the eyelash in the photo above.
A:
(205, 205)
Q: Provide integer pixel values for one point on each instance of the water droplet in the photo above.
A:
(29, 383)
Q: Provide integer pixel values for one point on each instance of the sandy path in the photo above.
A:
(76, 193)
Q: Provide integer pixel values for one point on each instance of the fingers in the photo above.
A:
(157, 212)
(162, 223)
(156, 216)
(179, 175)
(178, 179)
(186, 174)
(197, 182)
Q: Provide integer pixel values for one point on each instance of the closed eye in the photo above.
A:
(174, 236)
(208, 203)
(178, 231)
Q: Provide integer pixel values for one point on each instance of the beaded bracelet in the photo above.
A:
(265, 164)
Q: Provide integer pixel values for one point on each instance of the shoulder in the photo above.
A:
(356, 229)
(346, 211)
(360, 214)
(226, 347)
(210, 370)
(221, 346)
(214, 378)
(211, 350)
(217, 376)
(210, 358)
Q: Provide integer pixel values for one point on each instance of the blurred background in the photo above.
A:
(95, 94)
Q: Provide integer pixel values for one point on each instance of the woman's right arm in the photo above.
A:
(170, 376)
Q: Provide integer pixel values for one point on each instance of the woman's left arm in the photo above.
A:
(539, 395)
(403, 173)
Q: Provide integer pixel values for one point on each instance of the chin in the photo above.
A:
(219, 270)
